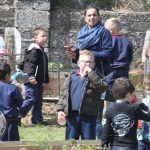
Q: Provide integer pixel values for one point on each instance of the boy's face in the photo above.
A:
(147, 88)
(86, 62)
(107, 26)
(41, 38)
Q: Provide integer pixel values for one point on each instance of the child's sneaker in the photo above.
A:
(44, 123)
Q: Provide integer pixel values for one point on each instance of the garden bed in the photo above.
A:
(56, 145)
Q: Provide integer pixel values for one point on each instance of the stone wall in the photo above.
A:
(63, 25)
(25, 15)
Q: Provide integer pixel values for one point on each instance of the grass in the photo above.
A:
(43, 132)
(51, 132)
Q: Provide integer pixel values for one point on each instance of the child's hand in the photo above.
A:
(87, 69)
(139, 100)
(61, 113)
(33, 81)
(19, 87)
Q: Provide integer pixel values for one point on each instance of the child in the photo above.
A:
(10, 99)
(122, 52)
(144, 132)
(121, 120)
(146, 49)
(35, 71)
(80, 99)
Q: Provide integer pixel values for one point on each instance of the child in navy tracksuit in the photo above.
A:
(80, 99)
(35, 73)
(122, 52)
(10, 99)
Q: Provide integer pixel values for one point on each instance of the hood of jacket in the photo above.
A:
(33, 45)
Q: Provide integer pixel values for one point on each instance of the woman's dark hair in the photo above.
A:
(4, 70)
(121, 87)
(90, 7)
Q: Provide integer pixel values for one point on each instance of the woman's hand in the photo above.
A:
(70, 55)
(69, 52)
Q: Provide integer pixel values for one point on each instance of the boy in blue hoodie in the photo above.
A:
(122, 52)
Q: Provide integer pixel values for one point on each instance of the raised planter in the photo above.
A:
(56, 145)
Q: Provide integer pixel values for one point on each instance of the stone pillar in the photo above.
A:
(29, 15)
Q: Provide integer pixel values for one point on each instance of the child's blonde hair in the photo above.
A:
(113, 23)
(147, 80)
(38, 30)
(86, 53)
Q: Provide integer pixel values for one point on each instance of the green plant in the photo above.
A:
(74, 146)
(54, 66)
(147, 4)
(43, 144)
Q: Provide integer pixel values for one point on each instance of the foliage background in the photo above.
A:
(103, 4)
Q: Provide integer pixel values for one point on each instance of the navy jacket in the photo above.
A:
(122, 52)
(10, 99)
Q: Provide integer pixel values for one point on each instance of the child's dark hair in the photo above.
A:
(38, 30)
(90, 7)
(4, 70)
(121, 87)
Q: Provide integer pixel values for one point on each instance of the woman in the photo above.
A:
(94, 37)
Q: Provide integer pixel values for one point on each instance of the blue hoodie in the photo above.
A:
(122, 52)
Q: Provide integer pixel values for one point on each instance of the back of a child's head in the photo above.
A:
(113, 23)
(38, 30)
(86, 53)
(4, 70)
(121, 87)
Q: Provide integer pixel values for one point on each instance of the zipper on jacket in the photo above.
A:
(83, 95)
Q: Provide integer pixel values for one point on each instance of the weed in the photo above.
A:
(43, 144)
(74, 146)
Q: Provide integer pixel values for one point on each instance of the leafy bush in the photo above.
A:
(53, 66)
(147, 3)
